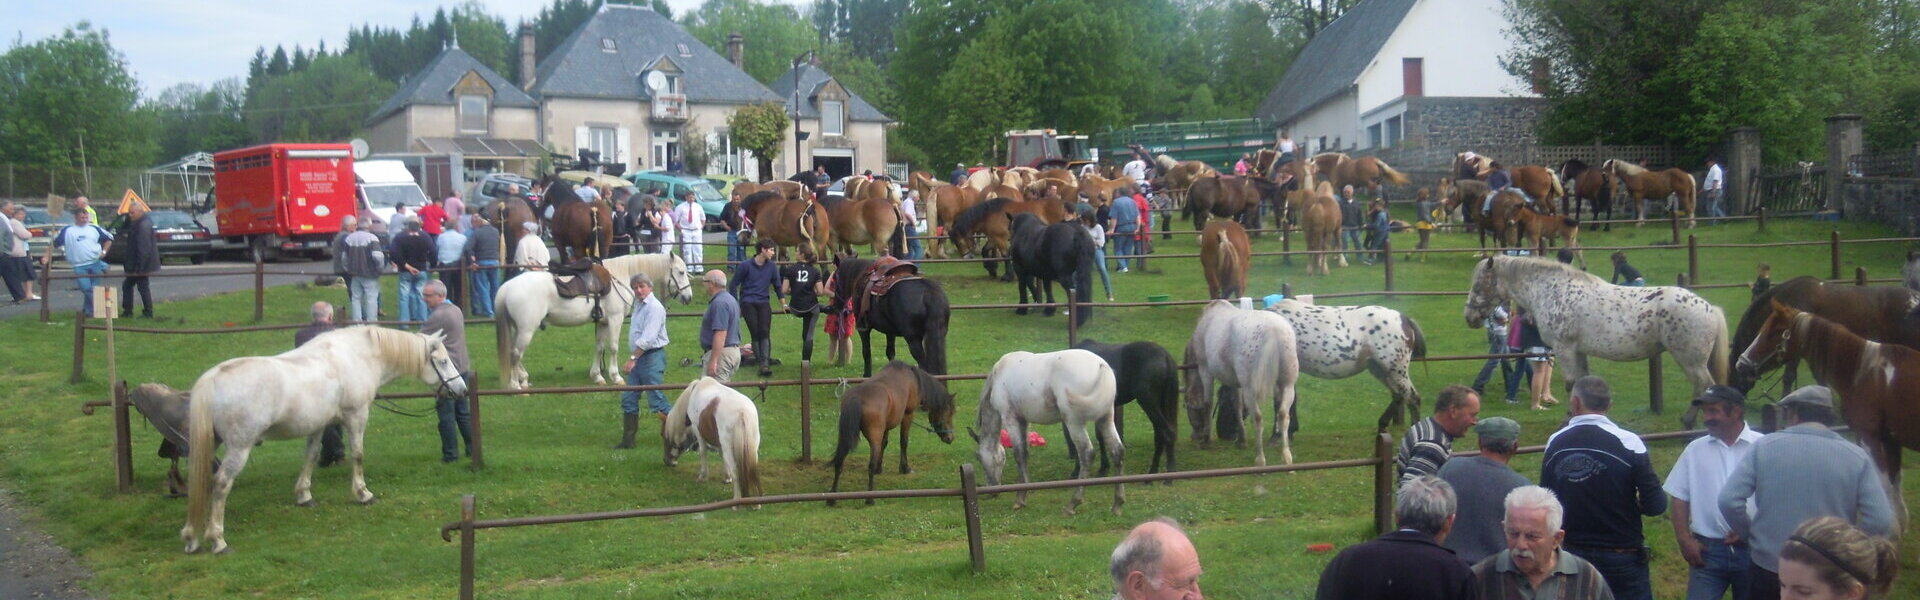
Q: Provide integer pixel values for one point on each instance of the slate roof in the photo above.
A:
(434, 85)
(580, 68)
(810, 80)
(1333, 61)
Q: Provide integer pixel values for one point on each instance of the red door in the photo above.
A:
(1411, 79)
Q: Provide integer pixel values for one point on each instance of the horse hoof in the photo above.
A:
(869, 502)
(192, 547)
(220, 548)
(1019, 505)
(909, 471)
(1070, 511)
(1116, 510)
(367, 501)
(1019, 311)
(308, 503)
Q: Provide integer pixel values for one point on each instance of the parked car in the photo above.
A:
(723, 183)
(493, 187)
(674, 185)
(43, 227)
(175, 232)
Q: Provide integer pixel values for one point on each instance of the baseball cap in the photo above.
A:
(1812, 395)
(1498, 428)
(1721, 393)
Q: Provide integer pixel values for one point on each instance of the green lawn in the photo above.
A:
(548, 455)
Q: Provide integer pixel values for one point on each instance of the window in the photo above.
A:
(1395, 131)
(684, 50)
(673, 84)
(604, 140)
(606, 45)
(473, 113)
(1412, 79)
(833, 118)
(1373, 136)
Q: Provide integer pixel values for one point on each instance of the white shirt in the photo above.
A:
(906, 206)
(648, 330)
(1136, 168)
(1702, 470)
(1286, 145)
(688, 216)
(1631, 442)
(587, 193)
(1716, 178)
(1099, 235)
(532, 252)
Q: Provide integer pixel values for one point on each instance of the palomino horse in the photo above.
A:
(983, 179)
(1366, 172)
(579, 228)
(1581, 315)
(1100, 190)
(915, 309)
(1143, 371)
(1878, 313)
(296, 394)
(1534, 227)
(942, 203)
(530, 300)
(1070, 387)
(1642, 184)
(1541, 185)
(1232, 197)
(1044, 255)
(1225, 257)
(1337, 342)
(789, 223)
(1875, 382)
(1251, 351)
(716, 417)
(1178, 175)
(1320, 221)
(869, 214)
(1591, 185)
(882, 403)
(1467, 165)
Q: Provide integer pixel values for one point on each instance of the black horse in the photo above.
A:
(1143, 371)
(1047, 254)
(915, 309)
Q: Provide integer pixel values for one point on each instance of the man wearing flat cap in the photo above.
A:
(1694, 485)
(1481, 483)
(1797, 473)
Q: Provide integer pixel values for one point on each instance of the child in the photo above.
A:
(1378, 226)
(1625, 274)
(1424, 210)
(1762, 279)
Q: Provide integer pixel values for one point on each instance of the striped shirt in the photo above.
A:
(1422, 450)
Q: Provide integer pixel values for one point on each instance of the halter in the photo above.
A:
(1493, 281)
(440, 389)
(1800, 321)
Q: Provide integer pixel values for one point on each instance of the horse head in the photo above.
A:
(938, 403)
(441, 373)
(679, 280)
(1773, 345)
(1484, 295)
(993, 458)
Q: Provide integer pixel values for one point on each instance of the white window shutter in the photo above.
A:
(624, 143)
(582, 139)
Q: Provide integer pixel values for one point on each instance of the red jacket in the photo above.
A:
(432, 218)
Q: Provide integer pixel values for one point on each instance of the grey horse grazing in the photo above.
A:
(1251, 350)
(1337, 342)
(1581, 315)
(166, 409)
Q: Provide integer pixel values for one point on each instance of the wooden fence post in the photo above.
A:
(1762, 213)
(122, 439)
(806, 411)
(1286, 244)
(259, 289)
(1674, 219)
(478, 459)
(1834, 251)
(466, 546)
(79, 347)
(1386, 259)
(1693, 258)
(1656, 401)
(1382, 483)
(1073, 318)
(970, 502)
(1860, 276)
(46, 293)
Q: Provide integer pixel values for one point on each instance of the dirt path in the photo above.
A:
(31, 565)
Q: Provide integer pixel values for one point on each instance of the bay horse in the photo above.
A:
(1542, 185)
(1337, 342)
(530, 301)
(1877, 313)
(1534, 227)
(882, 403)
(1251, 351)
(1320, 221)
(509, 216)
(1071, 387)
(1232, 197)
(1642, 183)
(1470, 196)
(915, 309)
(942, 203)
(788, 222)
(1225, 256)
(579, 228)
(868, 214)
(297, 394)
(1143, 372)
(1580, 315)
(1875, 382)
(1591, 186)
(713, 416)
(1044, 255)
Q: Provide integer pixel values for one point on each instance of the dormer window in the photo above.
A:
(673, 84)
(473, 113)
(606, 45)
(684, 50)
(833, 117)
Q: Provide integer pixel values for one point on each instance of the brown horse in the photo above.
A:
(1642, 183)
(942, 202)
(1591, 185)
(791, 190)
(1476, 167)
(1064, 190)
(1231, 197)
(869, 214)
(1225, 256)
(1365, 172)
(1320, 220)
(882, 403)
(1540, 184)
(1179, 175)
(992, 219)
(789, 223)
(1470, 196)
(579, 228)
(1879, 313)
(1535, 226)
(1100, 190)
(1297, 178)
(1874, 382)
(508, 217)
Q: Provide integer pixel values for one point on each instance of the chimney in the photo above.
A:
(736, 43)
(526, 56)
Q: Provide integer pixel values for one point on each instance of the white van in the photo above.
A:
(383, 186)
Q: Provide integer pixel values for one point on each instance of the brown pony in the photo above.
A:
(1535, 226)
(869, 214)
(1320, 220)
(789, 223)
(1878, 313)
(579, 228)
(1542, 185)
(942, 202)
(882, 403)
(1230, 196)
(1642, 183)
(1225, 255)
(1874, 382)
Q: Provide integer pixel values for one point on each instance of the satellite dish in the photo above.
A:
(656, 80)
(360, 149)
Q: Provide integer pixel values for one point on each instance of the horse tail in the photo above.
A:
(505, 332)
(1559, 189)
(851, 419)
(746, 450)
(932, 208)
(1396, 177)
(1229, 264)
(1415, 338)
(677, 420)
(1717, 360)
(200, 442)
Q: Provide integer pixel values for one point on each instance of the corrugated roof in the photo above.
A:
(434, 85)
(1335, 58)
(582, 67)
(810, 79)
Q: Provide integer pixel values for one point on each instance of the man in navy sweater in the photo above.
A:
(1602, 474)
(756, 281)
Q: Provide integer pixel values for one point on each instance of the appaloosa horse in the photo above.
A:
(1337, 342)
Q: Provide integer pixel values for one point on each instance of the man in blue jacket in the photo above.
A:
(1603, 476)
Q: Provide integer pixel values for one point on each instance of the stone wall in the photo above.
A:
(1450, 123)
(1894, 201)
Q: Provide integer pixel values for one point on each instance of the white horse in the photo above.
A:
(715, 416)
(296, 394)
(1581, 315)
(529, 300)
(1337, 342)
(1252, 351)
(1070, 387)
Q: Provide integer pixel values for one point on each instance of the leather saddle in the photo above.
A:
(880, 278)
(582, 277)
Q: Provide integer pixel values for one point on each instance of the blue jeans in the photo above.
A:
(1727, 567)
(1716, 204)
(735, 251)
(366, 298)
(412, 306)
(1125, 243)
(913, 245)
(485, 280)
(1495, 345)
(1350, 241)
(1100, 258)
(1522, 369)
(650, 369)
(86, 283)
(1625, 573)
(456, 417)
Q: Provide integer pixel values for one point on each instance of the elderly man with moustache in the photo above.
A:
(1534, 565)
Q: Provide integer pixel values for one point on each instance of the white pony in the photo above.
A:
(529, 300)
(1581, 315)
(1253, 351)
(296, 394)
(715, 416)
(1070, 387)
(1337, 342)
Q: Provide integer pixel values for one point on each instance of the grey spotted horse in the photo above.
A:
(1337, 342)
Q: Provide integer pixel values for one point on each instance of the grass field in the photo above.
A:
(549, 454)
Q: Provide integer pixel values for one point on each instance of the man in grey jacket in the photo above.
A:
(1800, 472)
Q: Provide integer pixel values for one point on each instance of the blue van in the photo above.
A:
(673, 185)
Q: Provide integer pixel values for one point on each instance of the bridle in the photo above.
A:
(1786, 339)
(440, 389)
(1478, 303)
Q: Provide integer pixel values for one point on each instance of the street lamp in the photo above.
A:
(798, 135)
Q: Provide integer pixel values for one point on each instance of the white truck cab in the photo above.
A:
(385, 185)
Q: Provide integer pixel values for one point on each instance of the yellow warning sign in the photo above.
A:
(128, 200)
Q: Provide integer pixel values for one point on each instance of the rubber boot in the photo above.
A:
(760, 348)
(629, 425)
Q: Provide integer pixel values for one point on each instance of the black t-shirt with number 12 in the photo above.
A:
(800, 279)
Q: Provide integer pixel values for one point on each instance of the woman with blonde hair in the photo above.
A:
(1829, 558)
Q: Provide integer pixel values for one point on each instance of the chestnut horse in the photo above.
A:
(1100, 190)
(579, 228)
(1534, 226)
(942, 203)
(1589, 185)
(1875, 382)
(789, 223)
(1542, 185)
(1232, 197)
(1471, 196)
(1878, 313)
(1470, 168)
(1320, 220)
(1365, 172)
(1642, 183)
(1179, 175)
(869, 214)
(1225, 256)
(883, 403)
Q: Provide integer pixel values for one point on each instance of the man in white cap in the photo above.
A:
(532, 252)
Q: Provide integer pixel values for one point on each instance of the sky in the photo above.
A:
(202, 41)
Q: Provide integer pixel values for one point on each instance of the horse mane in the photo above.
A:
(847, 270)
(1166, 163)
(1534, 267)
(1626, 168)
(973, 215)
(933, 395)
(560, 194)
(392, 347)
